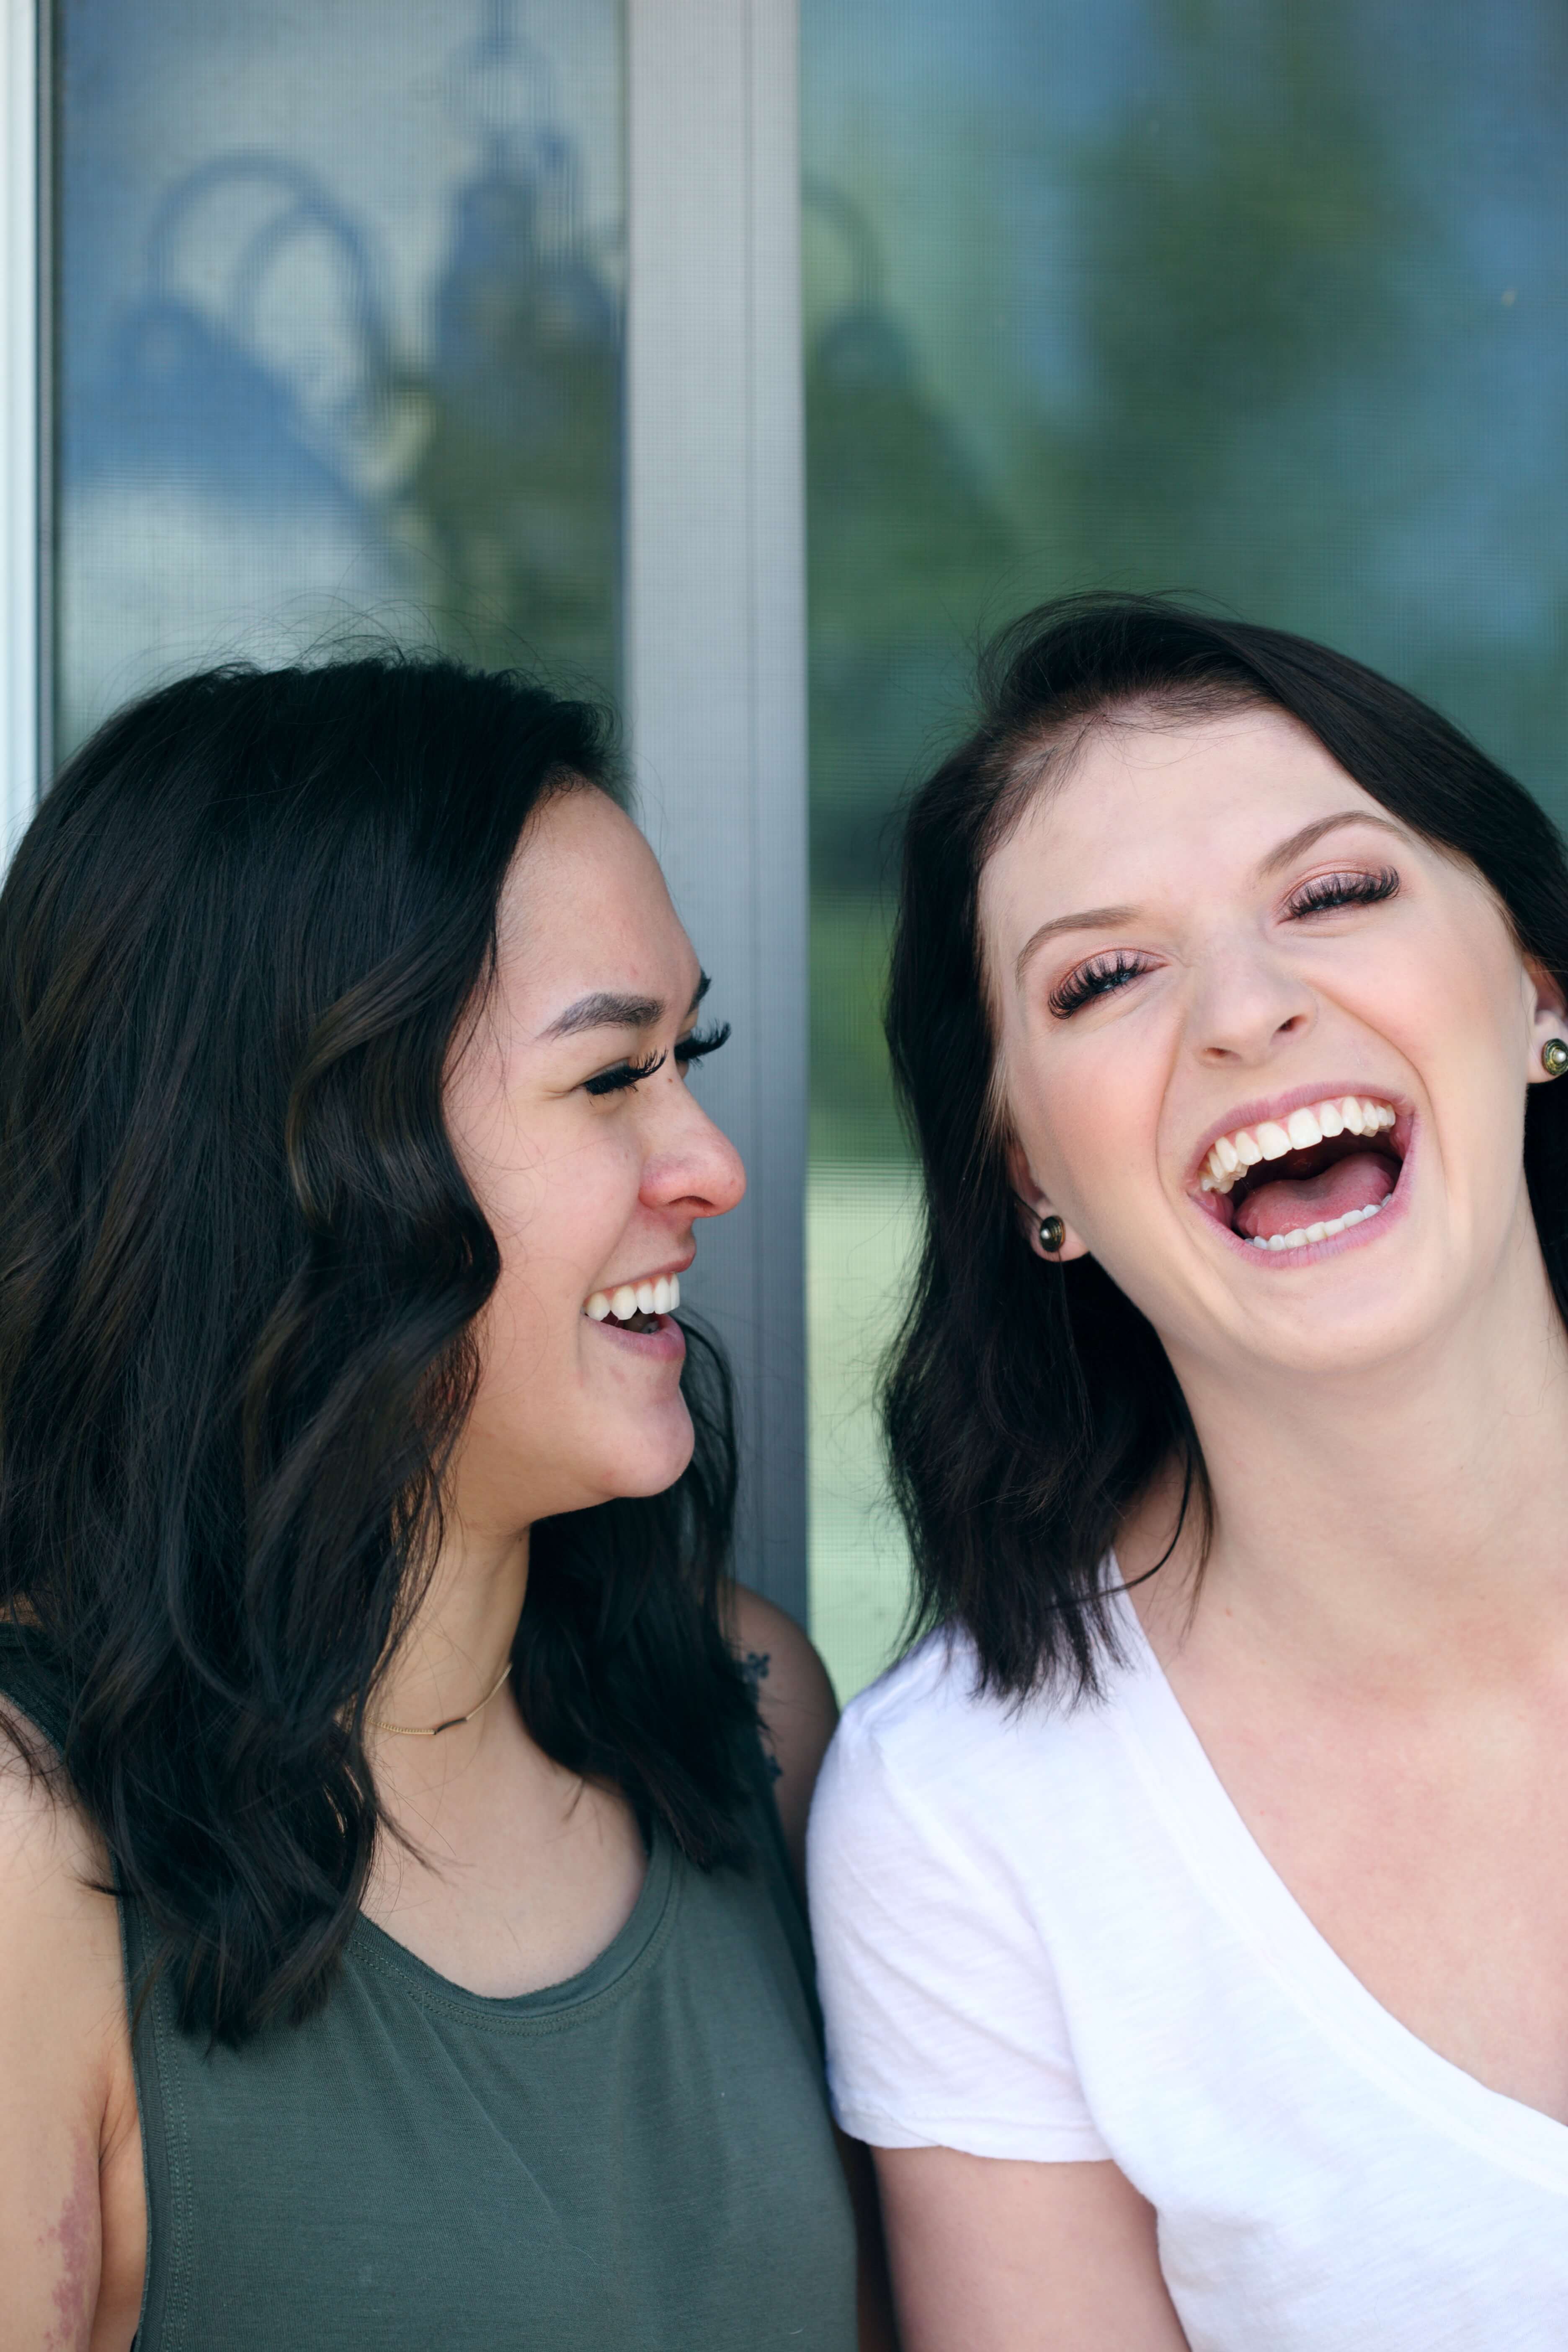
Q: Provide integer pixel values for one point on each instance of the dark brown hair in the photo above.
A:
(239, 1264)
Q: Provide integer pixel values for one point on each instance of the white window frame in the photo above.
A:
(714, 620)
(715, 636)
(23, 354)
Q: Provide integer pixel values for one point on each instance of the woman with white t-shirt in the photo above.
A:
(1192, 1902)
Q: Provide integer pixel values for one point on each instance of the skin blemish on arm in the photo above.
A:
(76, 2239)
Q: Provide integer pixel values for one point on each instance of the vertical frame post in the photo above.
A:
(715, 642)
(23, 25)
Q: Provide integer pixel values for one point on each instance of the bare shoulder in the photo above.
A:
(49, 1858)
(794, 1701)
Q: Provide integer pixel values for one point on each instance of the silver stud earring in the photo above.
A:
(1053, 1233)
(1554, 1057)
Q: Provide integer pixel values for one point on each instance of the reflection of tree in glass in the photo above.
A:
(516, 494)
(1245, 245)
(902, 543)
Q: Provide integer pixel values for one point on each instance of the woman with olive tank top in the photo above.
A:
(363, 1617)
(635, 2157)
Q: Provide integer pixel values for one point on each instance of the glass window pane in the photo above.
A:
(338, 332)
(1265, 304)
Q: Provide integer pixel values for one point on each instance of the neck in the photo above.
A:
(462, 1634)
(1404, 1515)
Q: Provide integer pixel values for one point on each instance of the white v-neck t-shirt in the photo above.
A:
(1045, 1932)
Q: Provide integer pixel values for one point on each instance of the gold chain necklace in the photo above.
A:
(434, 1730)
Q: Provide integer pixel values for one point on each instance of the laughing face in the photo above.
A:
(569, 1108)
(1262, 1048)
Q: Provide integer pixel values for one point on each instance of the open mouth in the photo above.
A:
(1324, 1169)
(634, 1306)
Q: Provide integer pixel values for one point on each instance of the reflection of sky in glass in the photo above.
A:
(339, 330)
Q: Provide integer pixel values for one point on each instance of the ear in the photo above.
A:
(1549, 1018)
(1034, 1207)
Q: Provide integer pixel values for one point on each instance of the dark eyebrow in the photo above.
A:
(606, 1010)
(1300, 842)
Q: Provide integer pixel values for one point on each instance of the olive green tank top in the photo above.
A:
(637, 2160)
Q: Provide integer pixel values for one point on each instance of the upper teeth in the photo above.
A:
(1234, 1154)
(660, 1298)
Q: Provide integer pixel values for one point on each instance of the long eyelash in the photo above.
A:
(628, 1074)
(700, 1041)
(623, 1075)
(1328, 890)
(1098, 977)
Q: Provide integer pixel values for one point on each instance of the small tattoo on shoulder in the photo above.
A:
(755, 1673)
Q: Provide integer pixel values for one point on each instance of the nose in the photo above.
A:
(691, 1164)
(1247, 1004)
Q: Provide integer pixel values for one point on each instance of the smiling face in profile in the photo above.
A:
(1261, 1046)
(569, 1108)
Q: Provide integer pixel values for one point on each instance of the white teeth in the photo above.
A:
(661, 1296)
(1324, 1233)
(1231, 1155)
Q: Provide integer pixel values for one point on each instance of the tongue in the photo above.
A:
(1288, 1204)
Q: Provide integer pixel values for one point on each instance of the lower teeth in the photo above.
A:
(1315, 1232)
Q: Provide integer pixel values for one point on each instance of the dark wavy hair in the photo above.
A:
(239, 1269)
(1027, 1405)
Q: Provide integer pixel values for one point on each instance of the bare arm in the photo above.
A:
(68, 2122)
(798, 1711)
(795, 1701)
(993, 2255)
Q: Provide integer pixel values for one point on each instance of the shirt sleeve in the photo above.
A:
(946, 2028)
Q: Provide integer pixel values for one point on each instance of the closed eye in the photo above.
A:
(1100, 976)
(625, 1074)
(1326, 891)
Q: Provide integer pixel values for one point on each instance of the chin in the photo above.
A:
(650, 1460)
(1366, 1335)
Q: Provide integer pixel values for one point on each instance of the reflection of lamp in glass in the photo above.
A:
(257, 458)
(189, 391)
(205, 490)
(517, 491)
